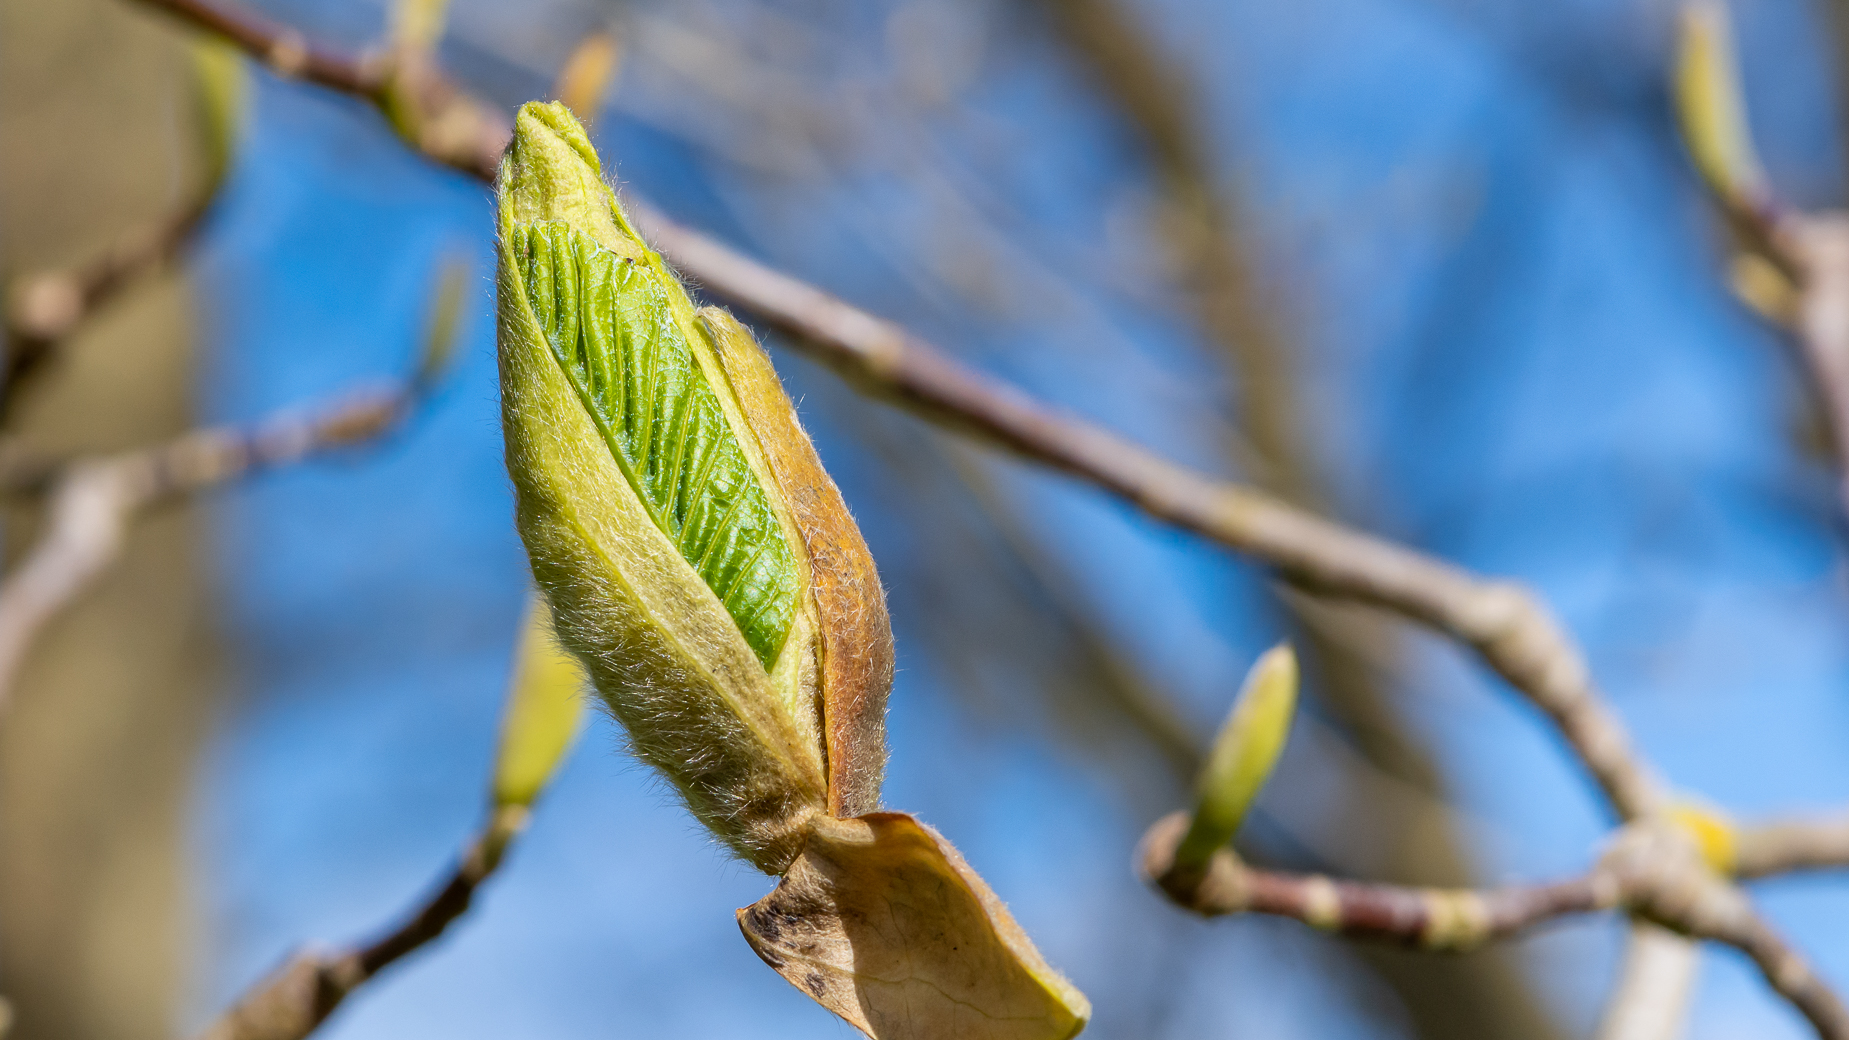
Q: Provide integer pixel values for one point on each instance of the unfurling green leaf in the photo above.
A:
(1243, 755)
(1712, 107)
(610, 325)
(705, 571)
(854, 633)
(545, 707)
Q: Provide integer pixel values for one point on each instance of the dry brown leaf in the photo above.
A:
(881, 921)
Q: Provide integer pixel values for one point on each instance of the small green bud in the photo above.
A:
(1243, 755)
(652, 521)
(544, 710)
(1711, 106)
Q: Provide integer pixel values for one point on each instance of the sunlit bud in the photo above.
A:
(1243, 755)
(705, 570)
(650, 517)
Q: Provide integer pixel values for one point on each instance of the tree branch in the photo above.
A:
(298, 997)
(93, 501)
(1651, 871)
(1664, 880)
(1782, 846)
(1651, 999)
(1445, 919)
(46, 309)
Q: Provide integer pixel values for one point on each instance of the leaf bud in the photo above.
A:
(1243, 755)
(703, 567)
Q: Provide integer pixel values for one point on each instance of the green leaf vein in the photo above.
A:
(610, 325)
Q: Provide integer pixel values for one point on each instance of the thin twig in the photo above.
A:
(293, 1001)
(46, 309)
(1820, 326)
(1447, 919)
(281, 48)
(1651, 999)
(437, 117)
(1651, 871)
(1782, 846)
(1790, 265)
(93, 501)
(1664, 880)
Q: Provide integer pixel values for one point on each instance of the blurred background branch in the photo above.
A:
(93, 501)
(545, 706)
(1354, 655)
(44, 310)
(1671, 871)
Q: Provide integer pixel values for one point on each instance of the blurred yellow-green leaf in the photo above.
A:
(1711, 107)
(445, 322)
(220, 87)
(1243, 755)
(418, 24)
(586, 75)
(545, 707)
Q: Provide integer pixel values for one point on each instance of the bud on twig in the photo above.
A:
(1242, 757)
(1712, 108)
(703, 567)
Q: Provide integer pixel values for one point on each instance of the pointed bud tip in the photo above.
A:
(549, 124)
(552, 173)
(1278, 663)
